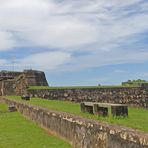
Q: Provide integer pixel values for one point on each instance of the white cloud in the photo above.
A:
(119, 71)
(40, 23)
(143, 75)
(2, 61)
(68, 26)
(106, 58)
(46, 60)
(6, 41)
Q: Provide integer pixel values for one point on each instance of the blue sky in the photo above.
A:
(76, 42)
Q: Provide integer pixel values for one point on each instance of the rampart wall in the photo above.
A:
(81, 132)
(16, 83)
(136, 96)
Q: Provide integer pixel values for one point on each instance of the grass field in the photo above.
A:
(77, 87)
(138, 118)
(18, 132)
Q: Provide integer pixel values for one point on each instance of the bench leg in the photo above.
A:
(103, 111)
(119, 110)
(85, 108)
(95, 109)
(89, 109)
(82, 107)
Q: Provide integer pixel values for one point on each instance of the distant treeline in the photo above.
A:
(134, 82)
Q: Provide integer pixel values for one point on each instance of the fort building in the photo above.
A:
(16, 83)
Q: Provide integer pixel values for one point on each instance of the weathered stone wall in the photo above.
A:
(9, 74)
(16, 83)
(7, 88)
(35, 78)
(1, 91)
(133, 96)
(83, 133)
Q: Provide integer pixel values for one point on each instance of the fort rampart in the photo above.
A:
(133, 96)
(81, 132)
(16, 83)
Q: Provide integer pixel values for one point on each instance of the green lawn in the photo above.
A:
(18, 132)
(138, 118)
(77, 87)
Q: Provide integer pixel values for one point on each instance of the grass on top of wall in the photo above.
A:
(137, 119)
(77, 87)
(18, 132)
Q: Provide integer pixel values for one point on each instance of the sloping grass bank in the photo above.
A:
(138, 118)
(18, 132)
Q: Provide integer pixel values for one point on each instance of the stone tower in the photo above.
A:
(16, 83)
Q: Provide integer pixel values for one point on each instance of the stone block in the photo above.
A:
(89, 109)
(82, 107)
(103, 111)
(119, 110)
(12, 108)
(95, 107)
(25, 97)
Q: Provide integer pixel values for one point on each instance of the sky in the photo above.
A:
(76, 42)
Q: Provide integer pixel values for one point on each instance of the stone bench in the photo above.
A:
(103, 108)
(25, 97)
(87, 107)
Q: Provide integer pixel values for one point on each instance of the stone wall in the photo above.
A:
(35, 78)
(9, 74)
(16, 83)
(133, 96)
(7, 87)
(80, 132)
